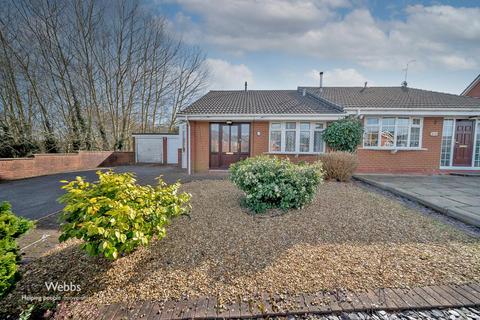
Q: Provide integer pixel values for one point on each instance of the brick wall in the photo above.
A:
(370, 161)
(200, 145)
(259, 138)
(475, 91)
(43, 164)
(416, 161)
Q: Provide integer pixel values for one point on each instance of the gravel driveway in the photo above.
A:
(35, 198)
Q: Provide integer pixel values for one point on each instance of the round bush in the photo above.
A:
(344, 135)
(269, 182)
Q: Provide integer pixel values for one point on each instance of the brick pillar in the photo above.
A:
(165, 148)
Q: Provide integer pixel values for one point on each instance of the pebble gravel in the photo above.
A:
(348, 237)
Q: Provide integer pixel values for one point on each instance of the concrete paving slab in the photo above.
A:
(441, 202)
(464, 216)
(472, 209)
(470, 200)
(456, 196)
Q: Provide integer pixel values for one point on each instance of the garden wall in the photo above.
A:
(43, 164)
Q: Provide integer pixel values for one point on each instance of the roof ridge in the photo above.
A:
(322, 99)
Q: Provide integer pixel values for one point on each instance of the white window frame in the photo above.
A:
(394, 147)
(297, 137)
(451, 166)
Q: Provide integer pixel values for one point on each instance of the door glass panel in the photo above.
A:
(214, 135)
(234, 138)
(225, 138)
(245, 146)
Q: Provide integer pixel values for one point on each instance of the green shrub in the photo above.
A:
(115, 215)
(273, 183)
(339, 165)
(344, 134)
(11, 227)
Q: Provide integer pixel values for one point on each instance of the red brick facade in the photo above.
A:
(43, 164)
(425, 161)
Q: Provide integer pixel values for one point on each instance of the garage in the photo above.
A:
(159, 148)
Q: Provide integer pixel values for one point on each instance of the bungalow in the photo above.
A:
(406, 130)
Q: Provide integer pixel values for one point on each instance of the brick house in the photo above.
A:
(406, 130)
(473, 89)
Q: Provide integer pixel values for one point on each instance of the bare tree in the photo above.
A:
(85, 74)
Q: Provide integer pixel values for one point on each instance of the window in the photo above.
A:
(296, 137)
(245, 138)
(415, 133)
(304, 137)
(477, 146)
(402, 132)
(392, 132)
(372, 128)
(290, 136)
(234, 139)
(447, 137)
(388, 132)
(317, 137)
(214, 135)
(275, 137)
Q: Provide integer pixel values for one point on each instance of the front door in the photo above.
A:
(228, 144)
(463, 148)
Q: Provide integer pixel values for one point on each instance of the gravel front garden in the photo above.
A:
(348, 237)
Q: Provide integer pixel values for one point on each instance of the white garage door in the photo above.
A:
(149, 150)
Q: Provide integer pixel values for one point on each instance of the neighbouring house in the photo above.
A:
(473, 89)
(407, 130)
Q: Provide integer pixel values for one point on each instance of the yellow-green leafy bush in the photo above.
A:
(269, 182)
(115, 215)
(339, 165)
(11, 227)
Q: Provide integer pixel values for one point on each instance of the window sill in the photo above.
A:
(393, 149)
(296, 154)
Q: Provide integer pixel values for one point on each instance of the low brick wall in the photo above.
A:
(43, 164)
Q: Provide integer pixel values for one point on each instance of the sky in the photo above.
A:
(282, 44)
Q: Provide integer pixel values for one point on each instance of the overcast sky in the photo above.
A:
(281, 44)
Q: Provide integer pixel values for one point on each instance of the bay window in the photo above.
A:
(392, 132)
(296, 137)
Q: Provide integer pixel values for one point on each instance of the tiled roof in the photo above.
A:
(392, 97)
(330, 100)
(260, 102)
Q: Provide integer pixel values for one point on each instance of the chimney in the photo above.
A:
(364, 87)
(246, 85)
(304, 92)
(321, 81)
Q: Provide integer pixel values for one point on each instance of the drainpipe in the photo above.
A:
(189, 151)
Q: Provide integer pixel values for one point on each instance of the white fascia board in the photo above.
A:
(266, 117)
(415, 111)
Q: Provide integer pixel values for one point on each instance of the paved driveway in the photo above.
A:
(456, 196)
(37, 197)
